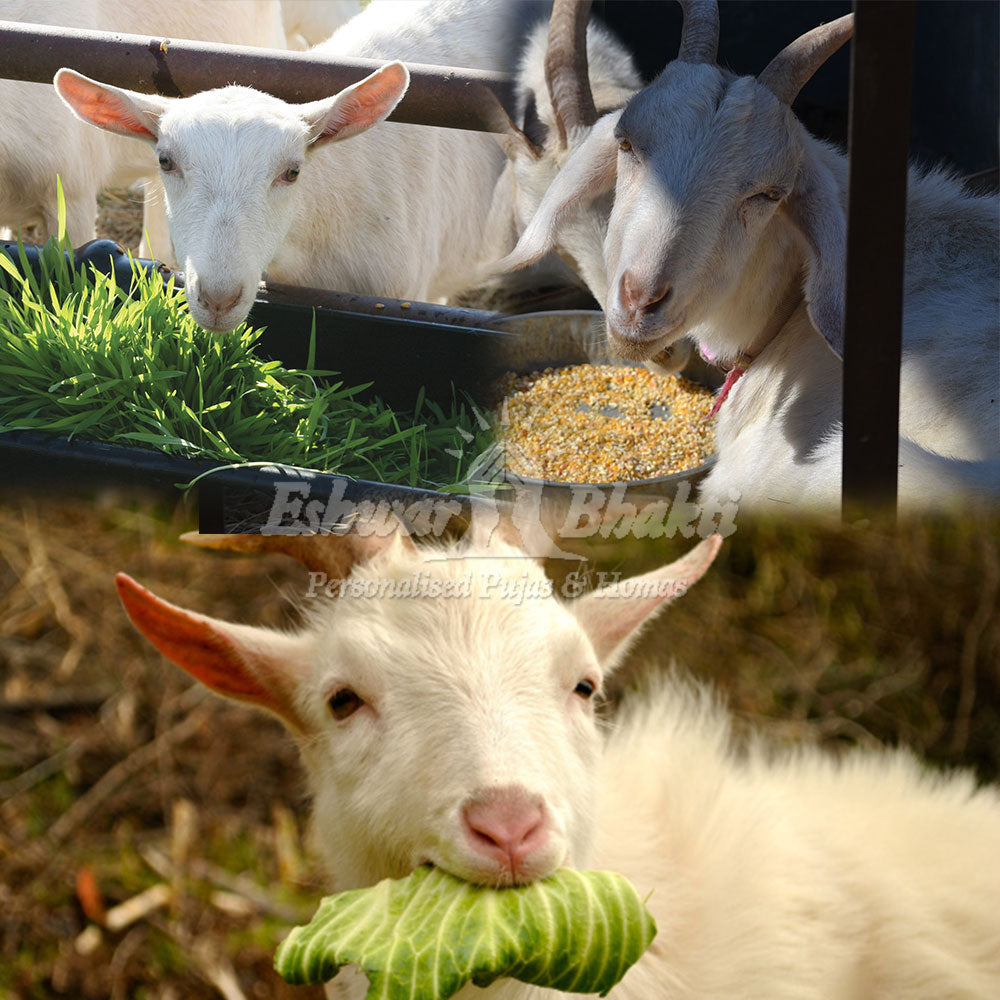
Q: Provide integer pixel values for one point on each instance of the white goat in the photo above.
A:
(553, 123)
(38, 140)
(309, 22)
(458, 728)
(400, 211)
(729, 225)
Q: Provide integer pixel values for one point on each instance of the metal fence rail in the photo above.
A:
(451, 98)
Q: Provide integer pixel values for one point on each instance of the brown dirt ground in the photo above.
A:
(119, 216)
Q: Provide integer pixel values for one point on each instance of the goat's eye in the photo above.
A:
(166, 163)
(624, 145)
(773, 193)
(291, 175)
(585, 689)
(344, 703)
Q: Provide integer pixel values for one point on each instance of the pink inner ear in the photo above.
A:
(195, 644)
(374, 99)
(101, 108)
(106, 112)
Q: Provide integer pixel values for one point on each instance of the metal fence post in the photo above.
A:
(881, 75)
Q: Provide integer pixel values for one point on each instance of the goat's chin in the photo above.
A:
(640, 349)
(642, 338)
(492, 873)
(225, 323)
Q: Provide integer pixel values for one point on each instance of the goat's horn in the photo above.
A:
(700, 34)
(566, 73)
(786, 74)
(334, 555)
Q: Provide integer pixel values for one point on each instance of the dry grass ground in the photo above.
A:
(119, 216)
(103, 749)
(117, 774)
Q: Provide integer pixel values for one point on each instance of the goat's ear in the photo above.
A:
(113, 109)
(254, 665)
(334, 555)
(814, 208)
(358, 107)
(614, 615)
(589, 171)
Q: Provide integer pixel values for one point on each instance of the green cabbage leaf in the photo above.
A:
(425, 936)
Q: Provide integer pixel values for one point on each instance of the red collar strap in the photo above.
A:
(734, 369)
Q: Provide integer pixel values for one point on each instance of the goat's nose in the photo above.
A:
(637, 297)
(220, 301)
(507, 825)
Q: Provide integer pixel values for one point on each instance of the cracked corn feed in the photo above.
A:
(603, 424)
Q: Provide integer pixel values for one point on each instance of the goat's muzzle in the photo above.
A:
(508, 828)
(642, 316)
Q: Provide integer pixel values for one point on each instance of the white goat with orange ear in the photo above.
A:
(728, 225)
(401, 210)
(213, 160)
(454, 724)
(39, 140)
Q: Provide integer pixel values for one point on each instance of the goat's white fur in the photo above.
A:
(309, 22)
(39, 140)
(399, 211)
(748, 274)
(770, 874)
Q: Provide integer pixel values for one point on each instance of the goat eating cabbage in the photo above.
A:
(443, 703)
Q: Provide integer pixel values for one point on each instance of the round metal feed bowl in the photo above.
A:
(577, 336)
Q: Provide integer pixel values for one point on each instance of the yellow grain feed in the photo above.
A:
(603, 424)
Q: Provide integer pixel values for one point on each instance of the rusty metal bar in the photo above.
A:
(881, 72)
(438, 95)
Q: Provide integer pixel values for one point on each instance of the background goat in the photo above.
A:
(563, 87)
(460, 730)
(309, 22)
(38, 140)
(728, 225)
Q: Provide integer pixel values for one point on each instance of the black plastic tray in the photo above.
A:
(400, 356)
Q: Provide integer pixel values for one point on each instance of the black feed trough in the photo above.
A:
(400, 355)
(402, 347)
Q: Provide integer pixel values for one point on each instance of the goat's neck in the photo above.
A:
(790, 368)
(759, 308)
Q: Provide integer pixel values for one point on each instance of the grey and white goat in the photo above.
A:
(729, 226)
(563, 86)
